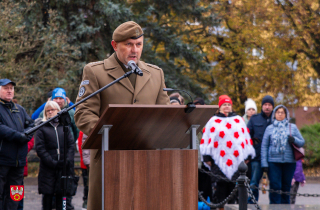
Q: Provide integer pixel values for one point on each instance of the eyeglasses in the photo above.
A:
(280, 113)
(51, 110)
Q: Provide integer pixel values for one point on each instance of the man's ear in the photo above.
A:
(114, 45)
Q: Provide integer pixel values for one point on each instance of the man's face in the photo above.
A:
(7, 92)
(60, 101)
(128, 50)
(267, 108)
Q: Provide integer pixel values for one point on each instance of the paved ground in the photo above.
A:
(33, 199)
(312, 188)
(302, 203)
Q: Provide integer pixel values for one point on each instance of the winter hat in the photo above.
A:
(59, 92)
(224, 99)
(267, 99)
(250, 104)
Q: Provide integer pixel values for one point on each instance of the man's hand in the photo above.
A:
(209, 163)
(68, 100)
(23, 138)
(256, 141)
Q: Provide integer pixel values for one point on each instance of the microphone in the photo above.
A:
(190, 106)
(133, 66)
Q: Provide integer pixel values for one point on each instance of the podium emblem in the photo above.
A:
(16, 192)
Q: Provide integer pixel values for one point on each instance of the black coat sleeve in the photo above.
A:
(41, 150)
(8, 133)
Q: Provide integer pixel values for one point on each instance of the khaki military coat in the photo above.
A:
(148, 90)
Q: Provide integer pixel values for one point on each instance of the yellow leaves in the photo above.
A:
(238, 3)
(266, 34)
(314, 6)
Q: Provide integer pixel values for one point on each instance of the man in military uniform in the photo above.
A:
(147, 89)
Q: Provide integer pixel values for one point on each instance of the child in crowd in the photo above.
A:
(298, 178)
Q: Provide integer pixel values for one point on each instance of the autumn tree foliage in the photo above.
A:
(36, 58)
(242, 48)
(253, 51)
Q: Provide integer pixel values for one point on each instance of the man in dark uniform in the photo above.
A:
(147, 89)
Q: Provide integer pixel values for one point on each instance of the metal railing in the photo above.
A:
(242, 186)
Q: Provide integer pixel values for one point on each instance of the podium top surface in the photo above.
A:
(147, 127)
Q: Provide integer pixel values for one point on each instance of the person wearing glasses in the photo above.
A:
(59, 96)
(277, 158)
(50, 149)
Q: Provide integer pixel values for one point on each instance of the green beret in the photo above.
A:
(127, 30)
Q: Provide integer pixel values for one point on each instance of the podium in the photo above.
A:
(145, 163)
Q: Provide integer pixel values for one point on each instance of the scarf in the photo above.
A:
(279, 135)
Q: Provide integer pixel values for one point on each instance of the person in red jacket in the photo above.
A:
(84, 164)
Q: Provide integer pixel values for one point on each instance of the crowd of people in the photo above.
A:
(262, 140)
(266, 140)
(48, 142)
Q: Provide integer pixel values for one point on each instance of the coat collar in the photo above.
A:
(10, 105)
(114, 70)
(231, 114)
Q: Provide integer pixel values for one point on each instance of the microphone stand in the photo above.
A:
(190, 106)
(65, 120)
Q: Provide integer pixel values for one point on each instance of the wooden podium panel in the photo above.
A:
(151, 180)
(144, 127)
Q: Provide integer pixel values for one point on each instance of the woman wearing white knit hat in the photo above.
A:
(250, 109)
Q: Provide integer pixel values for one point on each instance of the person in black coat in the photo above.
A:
(14, 122)
(50, 149)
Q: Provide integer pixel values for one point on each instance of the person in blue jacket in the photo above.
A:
(277, 158)
(36, 113)
(257, 125)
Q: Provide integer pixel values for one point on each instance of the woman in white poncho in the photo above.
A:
(224, 145)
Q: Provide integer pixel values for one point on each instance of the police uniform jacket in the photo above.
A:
(148, 90)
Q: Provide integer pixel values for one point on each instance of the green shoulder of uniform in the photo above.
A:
(92, 64)
(153, 66)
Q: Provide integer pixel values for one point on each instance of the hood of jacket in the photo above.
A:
(275, 109)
